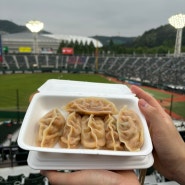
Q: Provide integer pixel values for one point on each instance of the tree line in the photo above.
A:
(115, 49)
(155, 41)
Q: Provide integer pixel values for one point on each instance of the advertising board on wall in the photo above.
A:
(67, 51)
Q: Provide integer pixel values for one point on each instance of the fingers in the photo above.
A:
(148, 111)
(129, 174)
(91, 177)
(74, 178)
(141, 94)
(56, 178)
(149, 106)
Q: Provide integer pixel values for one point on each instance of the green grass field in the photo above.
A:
(26, 84)
(179, 108)
(157, 94)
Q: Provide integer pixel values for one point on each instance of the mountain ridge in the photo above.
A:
(161, 36)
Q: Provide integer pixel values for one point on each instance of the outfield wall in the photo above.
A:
(14, 115)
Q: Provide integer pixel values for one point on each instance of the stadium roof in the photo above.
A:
(28, 36)
(74, 38)
(25, 36)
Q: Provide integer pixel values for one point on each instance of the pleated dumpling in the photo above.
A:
(91, 105)
(111, 134)
(72, 131)
(50, 128)
(93, 132)
(130, 129)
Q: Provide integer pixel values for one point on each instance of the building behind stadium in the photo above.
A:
(47, 43)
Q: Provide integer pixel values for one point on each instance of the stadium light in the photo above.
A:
(35, 27)
(178, 22)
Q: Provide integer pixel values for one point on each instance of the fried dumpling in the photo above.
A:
(130, 129)
(50, 128)
(111, 134)
(72, 131)
(93, 132)
(91, 105)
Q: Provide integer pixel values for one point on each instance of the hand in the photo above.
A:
(92, 177)
(169, 148)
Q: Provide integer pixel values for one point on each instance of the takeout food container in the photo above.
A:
(57, 93)
(59, 161)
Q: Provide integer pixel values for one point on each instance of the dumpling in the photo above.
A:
(72, 131)
(111, 134)
(130, 129)
(91, 105)
(93, 132)
(50, 128)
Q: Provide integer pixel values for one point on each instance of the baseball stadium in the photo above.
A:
(29, 63)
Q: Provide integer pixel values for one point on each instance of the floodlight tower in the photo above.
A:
(35, 27)
(178, 22)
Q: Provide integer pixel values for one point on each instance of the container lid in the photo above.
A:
(79, 88)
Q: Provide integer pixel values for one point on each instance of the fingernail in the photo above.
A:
(143, 103)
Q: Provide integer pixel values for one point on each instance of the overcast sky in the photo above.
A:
(93, 17)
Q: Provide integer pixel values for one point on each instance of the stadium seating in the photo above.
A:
(90, 65)
(155, 71)
(10, 183)
(10, 153)
(22, 62)
(2, 179)
(81, 60)
(36, 179)
(7, 128)
(21, 179)
(21, 157)
(32, 62)
(16, 178)
(62, 64)
(52, 61)
(10, 62)
(13, 180)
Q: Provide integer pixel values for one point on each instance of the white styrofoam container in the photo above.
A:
(58, 161)
(56, 93)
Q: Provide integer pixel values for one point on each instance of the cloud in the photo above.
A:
(97, 17)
